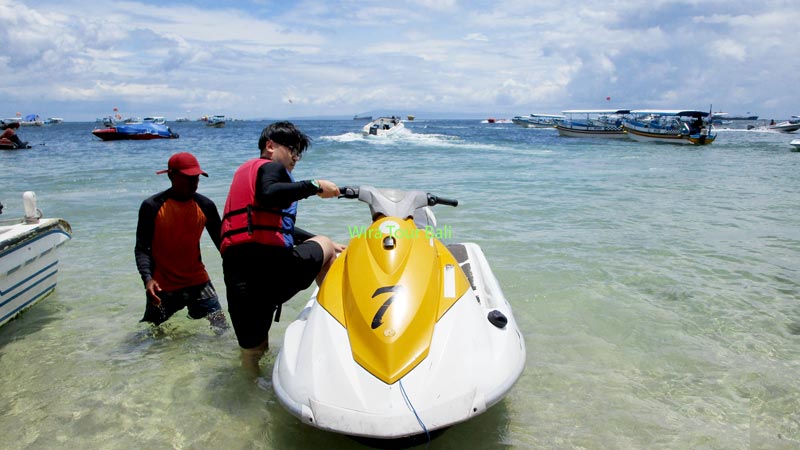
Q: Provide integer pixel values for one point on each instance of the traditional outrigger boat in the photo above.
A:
(28, 258)
(537, 120)
(598, 123)
(669, 126)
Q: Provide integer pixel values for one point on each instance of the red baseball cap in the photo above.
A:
(184, 163)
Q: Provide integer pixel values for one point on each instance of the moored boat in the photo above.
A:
(217, 121)
(670, 126)
(136, 132)
(155, 119)
(597, 123)
(537, 120)
(32, 120)
(28, 258)
(383, 126)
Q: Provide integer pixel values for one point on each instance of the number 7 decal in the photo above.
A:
(378, 319)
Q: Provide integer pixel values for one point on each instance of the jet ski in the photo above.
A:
(405, 335)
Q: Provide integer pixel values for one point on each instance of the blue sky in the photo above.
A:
(273, 59)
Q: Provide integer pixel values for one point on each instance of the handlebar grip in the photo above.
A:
(348, 192)
(435, 200)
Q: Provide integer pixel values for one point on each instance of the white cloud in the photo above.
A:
(476, 37)
(728, 48)
(329, 57)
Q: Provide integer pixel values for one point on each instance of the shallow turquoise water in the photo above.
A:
(656, 286)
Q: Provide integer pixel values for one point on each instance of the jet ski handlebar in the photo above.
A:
(354, 191)
(348, 192)
(436, 200)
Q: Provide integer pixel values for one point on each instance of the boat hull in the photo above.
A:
(670, 138)
(29, 263)
(110, 134)
(135, 132)
(382, 127)
(785, 127)
(471, 365)
(530, 124)
(594, 132)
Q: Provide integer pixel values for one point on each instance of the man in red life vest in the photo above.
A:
(168, 247)
(266, 259)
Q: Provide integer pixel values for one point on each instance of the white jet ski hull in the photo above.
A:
(472, 364)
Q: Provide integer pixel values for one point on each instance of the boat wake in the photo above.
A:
(403, 137)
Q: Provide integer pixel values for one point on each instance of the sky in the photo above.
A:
(449, 58)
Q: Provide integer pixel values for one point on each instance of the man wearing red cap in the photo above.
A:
(168, 247)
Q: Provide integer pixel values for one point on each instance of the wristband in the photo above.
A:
(316, 185)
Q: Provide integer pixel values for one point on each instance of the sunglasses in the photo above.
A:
(294, 151)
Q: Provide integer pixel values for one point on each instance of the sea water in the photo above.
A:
(656, 286)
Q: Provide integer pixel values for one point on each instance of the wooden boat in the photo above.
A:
(597, 123)
(670, 126)
(538, 120)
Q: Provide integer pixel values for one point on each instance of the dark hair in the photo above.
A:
(284, 133)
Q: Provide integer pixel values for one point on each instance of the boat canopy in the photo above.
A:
(548, 116)
(31, 117)
(672, 112)
(143, 128)
(597, 111)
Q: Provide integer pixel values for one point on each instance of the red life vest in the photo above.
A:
(244, 221)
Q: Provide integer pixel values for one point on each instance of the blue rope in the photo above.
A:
(411, 407)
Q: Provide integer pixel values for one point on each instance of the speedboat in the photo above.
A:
(135, 131)
(669, 126)
(596, 123)
(383, 126)
(787, 126)
(28, 258)
(537, 120)
(405, 335)
(796, 144)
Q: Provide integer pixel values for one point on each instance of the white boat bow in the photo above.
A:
(28, 258)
